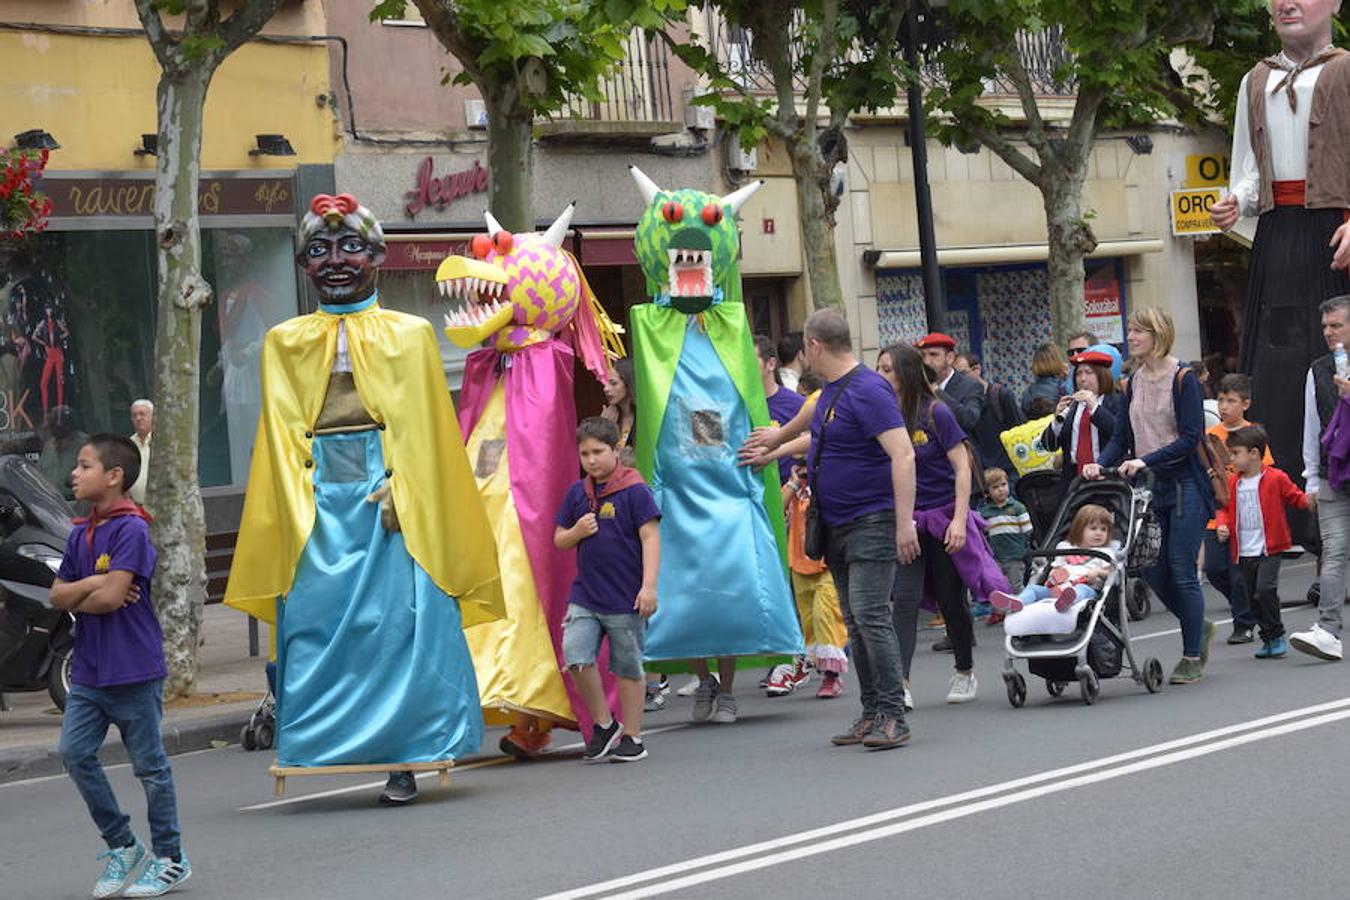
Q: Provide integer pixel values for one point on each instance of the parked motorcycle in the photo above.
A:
(36, 639)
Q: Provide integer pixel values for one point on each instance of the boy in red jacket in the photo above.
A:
(1254, 525)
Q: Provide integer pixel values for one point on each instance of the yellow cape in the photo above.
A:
(396, 365)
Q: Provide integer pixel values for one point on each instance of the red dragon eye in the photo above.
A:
(712, 214)
(503, 241)
(482, 245)
(672, 211)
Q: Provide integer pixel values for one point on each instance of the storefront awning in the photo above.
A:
(1016, 253)
(420, 252)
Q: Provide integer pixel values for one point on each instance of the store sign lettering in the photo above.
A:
(13, 414)
(440, 192)
(87, 197)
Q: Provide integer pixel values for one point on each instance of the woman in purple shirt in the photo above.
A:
(950, 549)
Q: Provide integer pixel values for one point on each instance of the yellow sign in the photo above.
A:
(1190, 211)
(1206, 170)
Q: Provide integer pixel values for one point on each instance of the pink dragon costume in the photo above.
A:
(525, 303)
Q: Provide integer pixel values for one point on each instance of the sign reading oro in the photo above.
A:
(1207, 170)
(1190, 211)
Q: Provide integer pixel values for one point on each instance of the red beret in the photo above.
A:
(936, 339)
(1092, 358)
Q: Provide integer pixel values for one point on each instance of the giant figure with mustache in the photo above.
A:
(363, 538)
(1290, 167)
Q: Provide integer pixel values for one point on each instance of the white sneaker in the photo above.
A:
(726, 709)
(1318, 642)
(963, 688)
(688, 688)
(909, 699)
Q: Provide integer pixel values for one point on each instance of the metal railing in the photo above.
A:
(637, 91)
(1043, 54)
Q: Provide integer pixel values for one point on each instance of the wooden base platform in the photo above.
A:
(441, 767)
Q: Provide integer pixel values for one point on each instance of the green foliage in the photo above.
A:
(577, 42)
(1115, 52)
(862, 70)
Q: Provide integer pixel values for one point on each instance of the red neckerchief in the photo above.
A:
(97, 517)
(622, 477)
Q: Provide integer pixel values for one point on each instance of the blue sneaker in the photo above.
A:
(1275, 649)
(121, 864)
(160, 876)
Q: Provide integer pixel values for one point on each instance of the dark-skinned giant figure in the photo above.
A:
(363, 538)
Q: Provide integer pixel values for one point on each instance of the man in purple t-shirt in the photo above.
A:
(863, 484)
(118, 669)
(612, 519)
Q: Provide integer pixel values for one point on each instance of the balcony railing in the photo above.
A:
(1043, 54)
(638, 92)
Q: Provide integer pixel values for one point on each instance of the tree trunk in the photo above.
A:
(174, 495)
(1070, 240)
(510, 156)
(817, 224)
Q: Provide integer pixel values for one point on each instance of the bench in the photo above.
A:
(219, 557)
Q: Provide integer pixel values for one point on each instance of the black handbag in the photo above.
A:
(816, 534)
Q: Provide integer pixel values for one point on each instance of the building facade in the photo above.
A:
(79, 301)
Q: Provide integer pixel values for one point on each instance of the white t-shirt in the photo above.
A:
(1251, 528)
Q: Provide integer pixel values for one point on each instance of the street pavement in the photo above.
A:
(1229, 788)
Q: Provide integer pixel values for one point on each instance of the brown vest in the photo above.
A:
(1328, 180)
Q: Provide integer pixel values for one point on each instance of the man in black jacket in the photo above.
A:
(1001, 412)
(962, 393)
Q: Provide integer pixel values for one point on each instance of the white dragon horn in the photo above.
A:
(645, 184)
(558, 230)
(493, 225)
(736, 199)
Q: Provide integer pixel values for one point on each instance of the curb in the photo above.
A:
(22, 763)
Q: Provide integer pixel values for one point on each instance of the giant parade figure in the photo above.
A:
(1290, 167)
(723, 580)
(524, 302)
(363, 538)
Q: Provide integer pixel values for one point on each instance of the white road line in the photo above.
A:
(480, 764)
(978, 794)
(961, 812)
(112, 768)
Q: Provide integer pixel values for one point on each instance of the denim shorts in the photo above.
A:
(583, 630)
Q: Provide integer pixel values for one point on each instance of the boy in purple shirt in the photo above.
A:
(118, 669)
(612, 519)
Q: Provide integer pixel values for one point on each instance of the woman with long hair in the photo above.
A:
(621, 407)
(953, 551)
(1161, 431)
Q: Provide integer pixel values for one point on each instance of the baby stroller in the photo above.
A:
(260, 732)
(1099, 646)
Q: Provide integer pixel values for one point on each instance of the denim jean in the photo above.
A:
(906, 596)
(1333, 518)
(136, 710)
(862, 561)
(584, 629)
(1173, 578)
(1223, 574)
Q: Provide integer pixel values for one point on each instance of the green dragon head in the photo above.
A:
(688, 245)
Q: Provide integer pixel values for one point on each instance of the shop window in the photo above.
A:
(77, 336)
(415, 292)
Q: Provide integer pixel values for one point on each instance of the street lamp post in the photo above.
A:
(934, 297)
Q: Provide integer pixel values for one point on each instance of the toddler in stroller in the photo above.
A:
(1071, 624)
(1073, 579)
